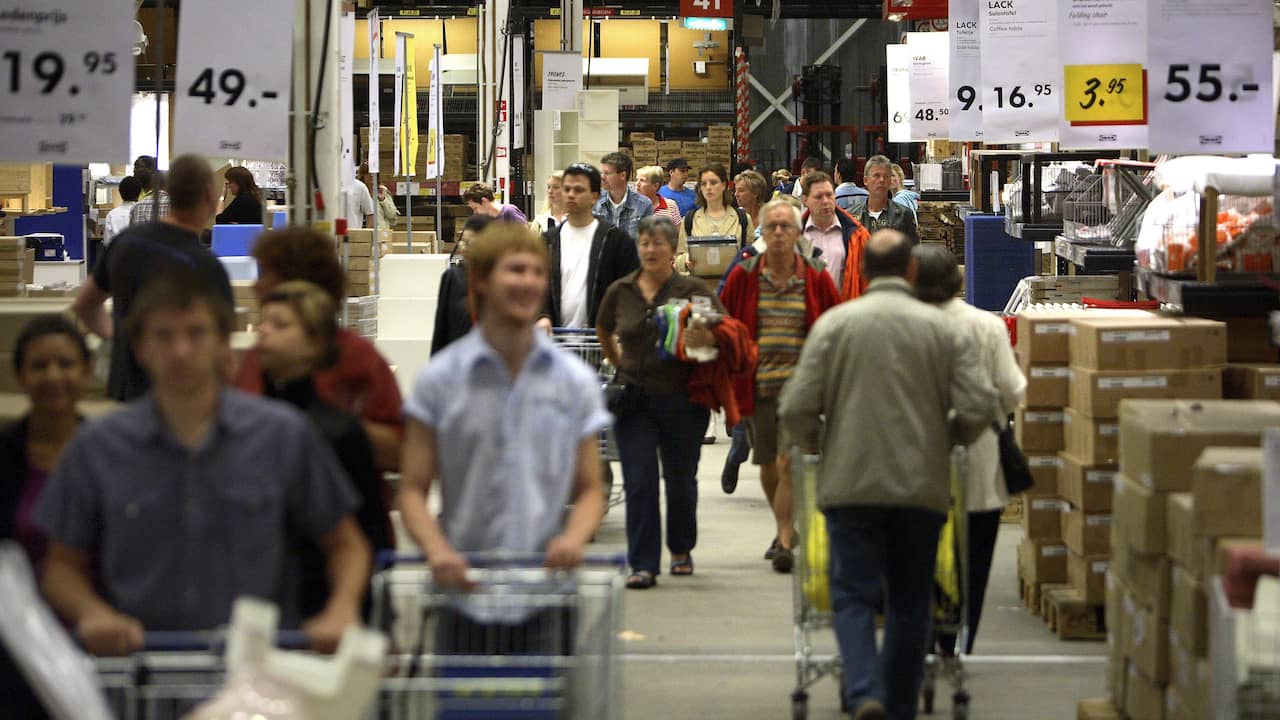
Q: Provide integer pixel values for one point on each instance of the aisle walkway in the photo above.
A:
(719, 644)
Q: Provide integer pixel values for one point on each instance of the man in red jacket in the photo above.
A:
(778, 295)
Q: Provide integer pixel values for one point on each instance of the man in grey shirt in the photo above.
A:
(884, 386)
(193, 495)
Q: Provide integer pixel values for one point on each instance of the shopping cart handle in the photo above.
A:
(390, 558)
(182, 641)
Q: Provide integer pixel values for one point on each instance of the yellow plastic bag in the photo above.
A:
(814, 583)
(946, 574)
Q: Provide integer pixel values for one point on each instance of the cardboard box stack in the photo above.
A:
(669, 150)
(1251, 381)
(720, 144)
(644, 149)
(362, 316)
(1190, 483)
(456, 153)
(695, 152)
(248, 311)
(16, 266)
(363, 253)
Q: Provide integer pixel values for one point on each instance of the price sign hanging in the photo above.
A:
(233, 79)
(930, 99)
(1104, 97)
(964, 71)
(1020, 82)
(62, 104)
(1210, 77)
(375, 108)
(898, 102)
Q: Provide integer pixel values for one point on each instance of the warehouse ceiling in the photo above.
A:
(647, 8)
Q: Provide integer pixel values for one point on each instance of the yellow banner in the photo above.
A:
(409, 113)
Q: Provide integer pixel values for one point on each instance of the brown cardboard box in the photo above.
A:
(29, 266)
(1097, 393)
(1148, 640)
(1189, 612)
(1087, 487)
(1160, 440)
(1044, 335)
(1045, 469)
(1097, 709)
(1175, 707)
(1086, 533)
(1093, 440)
(1140, 515)
(1179, 539)
(1227, 485)
(670, 146)
(1146, 577)
(1183, 679)
(1042, 518)
(1039, 430)
(1154, 343)
(423, 238)
(1043, 561)
(1143, 697)
(1249, 340)
(633, 137)
(1048, 386)
(712, 257)
(1117, 638)
(1251, 382)
(1088, 575)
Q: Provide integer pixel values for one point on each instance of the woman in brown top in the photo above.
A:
(658, 420)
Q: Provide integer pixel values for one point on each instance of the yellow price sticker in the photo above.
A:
(1106, 94)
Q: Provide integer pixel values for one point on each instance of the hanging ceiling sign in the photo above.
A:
(964, 71)
(1104, 96)
(1021, 76)
(930, 91)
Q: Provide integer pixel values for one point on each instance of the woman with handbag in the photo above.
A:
(938, 281)
(656, 421)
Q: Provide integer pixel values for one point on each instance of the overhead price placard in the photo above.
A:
(66, 81)
(964, 71)
(930, 92)
(375, 102)
(233, 79)
(406, 106)
(1020, 75)
(1104, 98)
(706, 8)
(1210, 76)
(898, 65)
(561, 80)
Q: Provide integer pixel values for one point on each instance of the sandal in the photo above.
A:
(642, 580)
(682, 567)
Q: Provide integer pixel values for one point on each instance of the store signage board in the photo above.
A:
(898, 64)
(561, 80)
(1209, 76)
(66, 81)
(964, 71)
(346, 102)
(706, 8)
(233, 79)
(1021, 79)
(930, 91)
(1104, 99)
(375, 104)
(435, 118)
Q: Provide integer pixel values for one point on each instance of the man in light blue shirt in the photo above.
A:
(619, 204)
(848, 193)
(675, 191)
(508, 422)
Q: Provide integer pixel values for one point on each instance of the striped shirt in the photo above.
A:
(780, 331)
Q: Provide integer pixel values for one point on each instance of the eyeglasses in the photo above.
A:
(773, 226)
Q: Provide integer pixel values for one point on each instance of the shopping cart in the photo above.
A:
(812, 599)
(951, 596)
(586, 345)
(524, 644)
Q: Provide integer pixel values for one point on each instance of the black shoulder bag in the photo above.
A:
(1017, 474)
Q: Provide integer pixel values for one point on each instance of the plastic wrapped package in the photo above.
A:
(1169, 239)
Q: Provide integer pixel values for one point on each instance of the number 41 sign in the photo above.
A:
(706, 8)
(233, 79)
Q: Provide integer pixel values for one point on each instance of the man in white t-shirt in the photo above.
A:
(360, 207)
(587, 254)
(117, 220)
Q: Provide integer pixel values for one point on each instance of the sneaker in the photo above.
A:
(783, 560)
(729, 478)
(773, 550)
(709, 440)
(871, 710)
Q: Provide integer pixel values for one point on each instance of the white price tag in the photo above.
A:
(1133, 383)
(1044, 417)
(1053, 328)
(1100, 477)
(1053, 551)
(1043, 461)
(1210, 76)
(234, 79)
(66, 80)
(1050, 372)
(1021, 82)
(930, 97)
(1100, 567)
(1271, 381)
(375, 101)
(1103, 46)
(1096, 520)
(1108, 429)
(965, 71)
(1135, 336)
(898, 67)
(561, 80)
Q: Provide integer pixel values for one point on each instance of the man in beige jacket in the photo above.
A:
(884, 387)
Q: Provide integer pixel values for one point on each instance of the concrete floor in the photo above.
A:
(720, 644)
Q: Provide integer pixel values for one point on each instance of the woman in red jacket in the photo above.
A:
(778, 295)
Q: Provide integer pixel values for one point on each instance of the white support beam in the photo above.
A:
(779, 103)
(774, 104)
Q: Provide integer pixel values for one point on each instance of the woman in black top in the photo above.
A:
(52, 363)
(296, 338)
(246, 205)
(453, 311)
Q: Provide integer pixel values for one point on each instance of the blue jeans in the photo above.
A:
(869, 545)
(670, 428)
